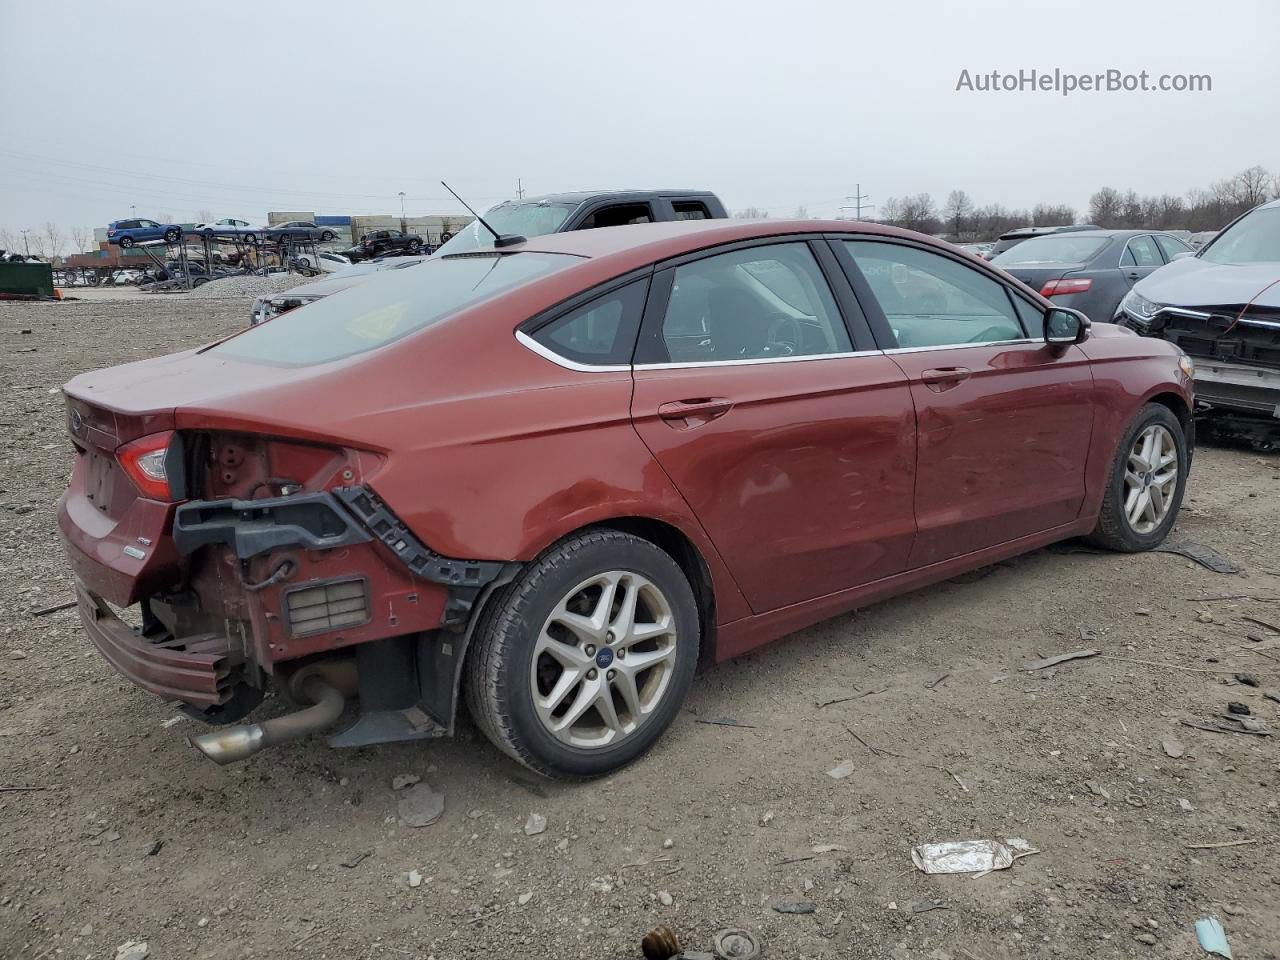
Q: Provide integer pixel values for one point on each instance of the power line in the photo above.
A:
(856, 202)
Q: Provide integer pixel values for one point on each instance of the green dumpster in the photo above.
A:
(26, 278)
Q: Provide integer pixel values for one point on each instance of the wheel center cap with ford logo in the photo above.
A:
(604, 658)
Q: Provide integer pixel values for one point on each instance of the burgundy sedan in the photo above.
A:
(554, 477)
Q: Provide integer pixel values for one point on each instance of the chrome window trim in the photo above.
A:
(533, 345)
(1136, 265)
(966, 346)
(748, 361)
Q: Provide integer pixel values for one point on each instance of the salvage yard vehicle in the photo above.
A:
(553, 477)
(1092, 270)
(227, 227)
(1009, 240)
(128, 233)
(1222, 306)
(378, 242)
(299, 230)
(274, 304)
(533, 217)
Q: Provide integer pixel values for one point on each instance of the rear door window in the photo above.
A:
(618, 215)
(762, 302)
(690, 210)
(1171, 246)
(1141, 252)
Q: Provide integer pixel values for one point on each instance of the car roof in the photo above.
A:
(643, 243)
(1041, 231)
(581, 196)
(1115, 234)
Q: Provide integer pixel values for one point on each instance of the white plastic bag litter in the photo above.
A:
(969, 856)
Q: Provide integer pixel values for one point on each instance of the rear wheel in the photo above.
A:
(172, 235)
(415, 246)
(1144, 490)
(582, 662)
(126, 242)
(328, 236)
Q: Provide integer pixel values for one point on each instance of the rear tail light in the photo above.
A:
(1056, 288)
(146, 463)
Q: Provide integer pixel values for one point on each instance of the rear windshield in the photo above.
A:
(1255, 238)
(386, 307)
(1060, 248)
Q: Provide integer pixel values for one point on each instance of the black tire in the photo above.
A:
(1114, 531)
(126, 242)
(499, 695)
(250, 238)
(446, 236)
(328, 236)
(415, 246)
(172, 236)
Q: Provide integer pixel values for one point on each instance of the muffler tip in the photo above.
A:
(230, 745)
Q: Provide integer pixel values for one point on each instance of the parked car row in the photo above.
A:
(129, 233)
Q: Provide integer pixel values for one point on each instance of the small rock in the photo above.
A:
(1248, 679)
(1142, 612)
(86, 930)
(1173, 748)
(524, 897)
(1239, 709)
(18, 655)
(841, 770)
(1097, 789)
(665, 898)
(1148, 938)
(402, 780)
(1185, 804)
(75, 747)
(767, 818)
(562, 845)
(799, 905)
(415, 878)
(475, 814)
(202, 922)
(1205, 618)
(111, 836)
(1233, 909)
(668, 843)
(535, 825)
(420, 806)
(133, 950)
(27, 508)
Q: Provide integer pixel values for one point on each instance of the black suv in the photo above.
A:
(388, 241)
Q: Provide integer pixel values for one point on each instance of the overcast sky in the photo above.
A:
(336, 107)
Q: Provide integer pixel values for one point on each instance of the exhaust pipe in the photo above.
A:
(244, 740)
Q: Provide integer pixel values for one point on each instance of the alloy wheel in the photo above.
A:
(603, 659)
(1150, 478)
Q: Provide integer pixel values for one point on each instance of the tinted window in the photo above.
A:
(1062, 248)
(617, 215)
(601, 332)
(386, 307)
(757, 303)
(931, 300)
(1171, 246)
(1254, 238)
(690, 210)
(1142, 253)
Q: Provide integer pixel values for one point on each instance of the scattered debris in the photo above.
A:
(402, 780)
(535, 825)
(155, 848)
(1262, 623)
(133, 950)
(796, 905)
(1213, 939)
(1097, 789)
(1219, 845)
(665, 898)
(660, 943)
(970, 856)
(22, 789)
(928, 905)
(1172, 748)
(1215, 728)
(668, 843)
(171, 722)
(1248, 679)
(727, 722)
(735, 944)
(358, 859)
(1240, 709)
(1273, 695)
(524, 898)
(415, 878)
(767, 818)
(1148, 938)
(1031, 665)
(420, 806)
(1185, 805)
(1207, 557)
(935, 680)
(841, 770)
(830, 848)
(56, 608)
(855, 696)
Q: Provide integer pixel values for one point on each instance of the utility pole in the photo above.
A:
(856, 202)
(26, 246)
(519, 189)
(403, 227)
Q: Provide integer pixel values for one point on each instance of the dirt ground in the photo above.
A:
(133, 836)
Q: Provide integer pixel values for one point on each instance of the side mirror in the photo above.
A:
(1064, 326)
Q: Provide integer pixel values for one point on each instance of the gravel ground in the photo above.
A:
(298, 852)
(246, 286)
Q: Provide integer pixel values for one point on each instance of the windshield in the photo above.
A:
(386, 307)
(1059, 248)
(1255, 238)
(522, 219)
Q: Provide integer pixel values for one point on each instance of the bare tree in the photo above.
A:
(956, 212)
(918, 213)
(1105, 207)
(81, 238)
(891, 210)
(9, 241)
(204, 216)
(53, 239)
(751, 213)
(802, 213)
(1052, 215)
(1252, 186)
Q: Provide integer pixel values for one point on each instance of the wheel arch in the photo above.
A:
(1178, 406)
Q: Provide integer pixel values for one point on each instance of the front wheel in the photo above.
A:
(1147, 480)
(582, 662)
(126, 242)
(328, 236)
(415, 246)
(172, 236)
